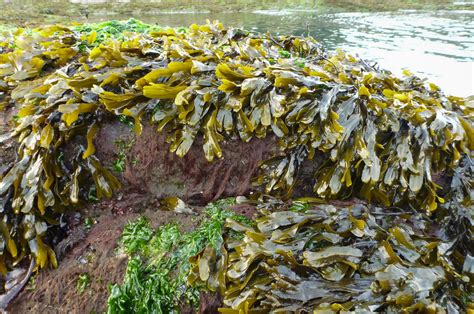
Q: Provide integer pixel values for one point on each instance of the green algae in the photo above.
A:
(156, 276)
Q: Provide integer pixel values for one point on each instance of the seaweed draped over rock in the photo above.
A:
(382, 138)
(326, 258)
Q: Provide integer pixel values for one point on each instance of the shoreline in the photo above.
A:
(34, 14)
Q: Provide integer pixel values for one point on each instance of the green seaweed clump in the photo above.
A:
(156, 276)
(94, 33)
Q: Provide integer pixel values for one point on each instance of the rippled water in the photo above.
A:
(438, 45)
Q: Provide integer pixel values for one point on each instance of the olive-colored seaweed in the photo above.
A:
(331, 259)
(382, 138)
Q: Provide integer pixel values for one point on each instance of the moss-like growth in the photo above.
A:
(156, 275)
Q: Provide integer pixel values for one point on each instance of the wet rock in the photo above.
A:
(210, 302)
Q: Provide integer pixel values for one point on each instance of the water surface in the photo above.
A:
(438, 45)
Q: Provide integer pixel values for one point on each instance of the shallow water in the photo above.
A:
(438, 45)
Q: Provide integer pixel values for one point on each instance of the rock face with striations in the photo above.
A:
(7, 152)
(152, 168)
